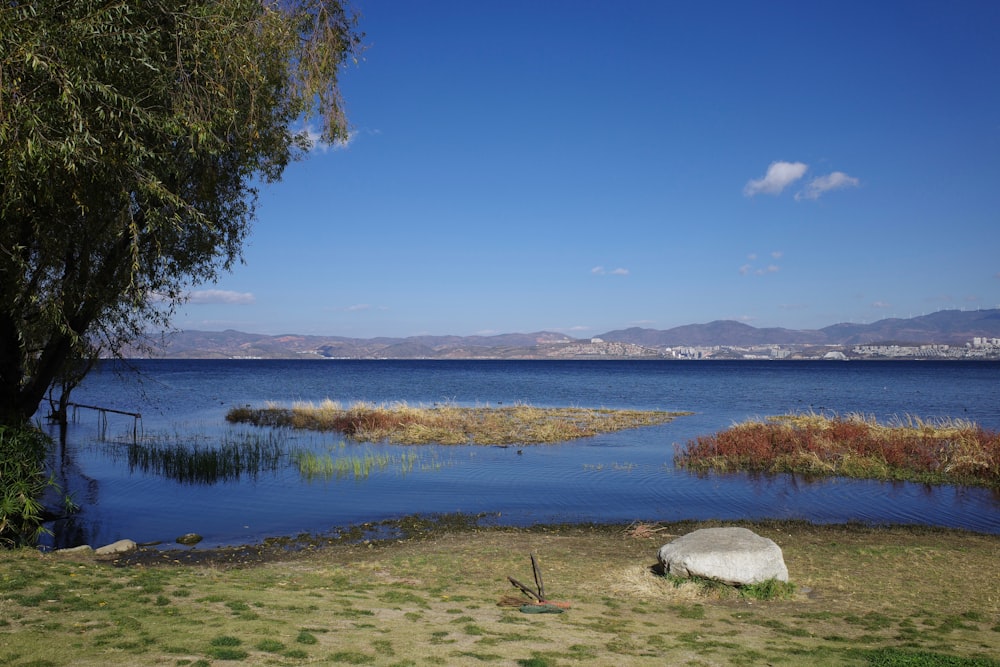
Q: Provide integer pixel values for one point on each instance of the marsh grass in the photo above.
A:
(400, 423)
(191, 461)
(357, 466)
(933, 452)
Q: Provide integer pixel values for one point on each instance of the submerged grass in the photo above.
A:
(451, 424)
(191, 461)
(198, 460)
(326, 466)
(911, 449)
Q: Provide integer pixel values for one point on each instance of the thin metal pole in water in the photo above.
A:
(103, 419)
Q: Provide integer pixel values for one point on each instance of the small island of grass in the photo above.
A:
(451, 424)
(943, 452)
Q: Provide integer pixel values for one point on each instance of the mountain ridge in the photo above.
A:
(946, 327)
(950, 327)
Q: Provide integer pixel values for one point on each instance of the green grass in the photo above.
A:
(305, 637)
(772, 589)
(270, 646)
(898, 657)
(431, 598)
(765, 591)
(359, 466)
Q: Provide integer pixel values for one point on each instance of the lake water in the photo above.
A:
(618, 477)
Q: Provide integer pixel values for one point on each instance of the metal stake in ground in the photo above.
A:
(538, 578)
(540, 604)
(524, 589)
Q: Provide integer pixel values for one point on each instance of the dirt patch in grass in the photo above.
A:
(865, 595)
(451, 424)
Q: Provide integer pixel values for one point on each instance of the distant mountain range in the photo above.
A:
(230, 344)
(954, 327)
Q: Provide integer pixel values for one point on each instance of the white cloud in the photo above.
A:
(779, 176)
(221, 296)
(354, 308)
(881, 304)
(317, 144)
(600, 271)
(837, 180)
(748, 268)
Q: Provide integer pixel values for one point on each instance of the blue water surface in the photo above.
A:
(618, 477)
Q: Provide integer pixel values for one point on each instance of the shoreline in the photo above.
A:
(389, 532)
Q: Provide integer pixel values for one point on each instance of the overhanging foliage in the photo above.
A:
(131, 137)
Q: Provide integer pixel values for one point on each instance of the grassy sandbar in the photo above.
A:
(400, 423)
(940, 452)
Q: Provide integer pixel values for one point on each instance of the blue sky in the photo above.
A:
(580, 167)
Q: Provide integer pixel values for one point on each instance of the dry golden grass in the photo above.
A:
(451, 424)
(641, 583)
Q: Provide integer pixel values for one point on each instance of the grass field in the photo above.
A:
(864, 596)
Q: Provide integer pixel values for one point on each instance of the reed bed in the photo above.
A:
(400, 423)
(190, 462)
(946, 451)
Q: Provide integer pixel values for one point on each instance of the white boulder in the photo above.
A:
(119, 547)
(72, 552)
(734, 556)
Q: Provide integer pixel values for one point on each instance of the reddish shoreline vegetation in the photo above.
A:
(403, 424)
(931, 452)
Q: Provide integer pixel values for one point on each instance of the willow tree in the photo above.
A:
(132, 135)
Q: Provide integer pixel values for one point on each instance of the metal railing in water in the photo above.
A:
(136, 417)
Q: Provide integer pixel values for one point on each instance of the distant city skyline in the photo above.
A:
(951, 334)
(581, 167)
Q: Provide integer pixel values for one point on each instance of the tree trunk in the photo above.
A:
(11, 374)
(21, 394)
